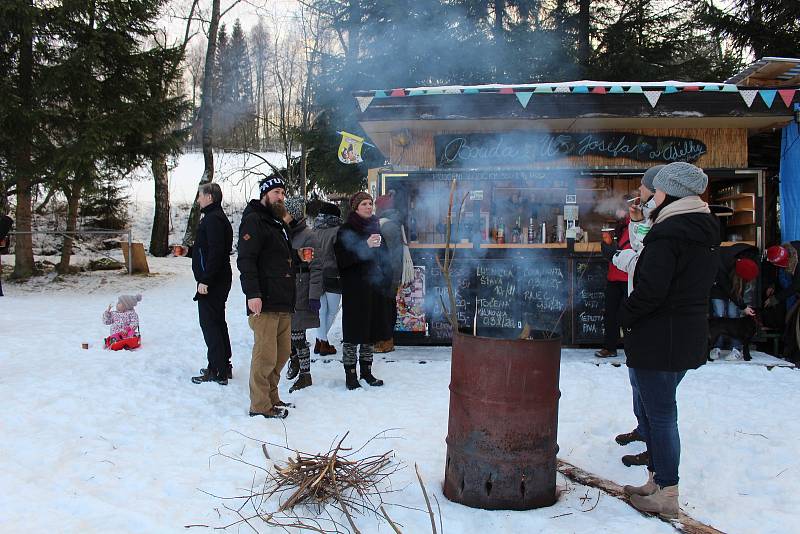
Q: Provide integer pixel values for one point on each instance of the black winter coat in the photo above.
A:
(666, 316)
(266, 260)
(211, 253)
(365, 275)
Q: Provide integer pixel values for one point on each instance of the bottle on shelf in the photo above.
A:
(412, 225)
(501, 232)
(516, 232)
(531, 231)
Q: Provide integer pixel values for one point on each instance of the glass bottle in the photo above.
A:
(412, 224)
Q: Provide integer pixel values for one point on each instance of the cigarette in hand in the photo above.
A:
(632, 200)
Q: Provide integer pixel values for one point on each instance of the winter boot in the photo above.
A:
(648, 488)
(636, 459)
(210, 376)
(663, 501)
(303, 381)
(293, 368)
(605, 353)
(630, 437)
(366, 374)
(317, 346)
(351, 379)
(381, 347)
(326, 348)
(230, 372)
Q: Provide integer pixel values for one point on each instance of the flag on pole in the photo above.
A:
(350, 148)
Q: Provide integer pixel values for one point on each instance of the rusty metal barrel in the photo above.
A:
(502, 429)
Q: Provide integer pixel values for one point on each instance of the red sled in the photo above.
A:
(124, 340)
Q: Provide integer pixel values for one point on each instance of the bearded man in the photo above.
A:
(266, 263)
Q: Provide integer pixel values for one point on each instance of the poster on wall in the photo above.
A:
(411, 304)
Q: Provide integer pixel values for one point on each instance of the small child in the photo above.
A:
(124, 323)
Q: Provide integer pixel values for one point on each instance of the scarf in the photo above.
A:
(364, 226)
(683, 206)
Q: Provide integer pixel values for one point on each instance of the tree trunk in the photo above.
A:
(159, 237)
(584, 42)
(73, 206)
(23, 247)
(206, 116)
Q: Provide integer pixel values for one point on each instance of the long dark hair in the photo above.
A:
(669, 199)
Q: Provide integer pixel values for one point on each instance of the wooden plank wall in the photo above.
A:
(727, 148)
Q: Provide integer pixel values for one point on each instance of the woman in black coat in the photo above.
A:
(362, 258)
(666, 321)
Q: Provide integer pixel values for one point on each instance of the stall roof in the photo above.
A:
(769, 71)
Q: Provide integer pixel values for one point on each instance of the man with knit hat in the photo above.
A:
(666, 321)
(308, 285)
(267, 266)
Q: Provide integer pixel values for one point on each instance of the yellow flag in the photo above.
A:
(350, 148)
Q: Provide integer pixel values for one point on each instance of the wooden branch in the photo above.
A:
(684, 523)
(427, 500)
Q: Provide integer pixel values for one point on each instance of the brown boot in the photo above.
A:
(648, 488)
(379, 347)
(643, 458)
(317, 346)
(326, 349)
(663, 501)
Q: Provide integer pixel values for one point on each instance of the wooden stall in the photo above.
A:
(541, 170)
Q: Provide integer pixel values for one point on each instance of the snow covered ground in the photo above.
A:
(95, 441)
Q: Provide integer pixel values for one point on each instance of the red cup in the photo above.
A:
(306, 254)
(179, 250)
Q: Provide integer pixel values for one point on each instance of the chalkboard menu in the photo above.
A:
(463, 276)
(589, 300)
(510, 294)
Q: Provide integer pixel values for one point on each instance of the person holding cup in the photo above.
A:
(308, 291)
(364, 270)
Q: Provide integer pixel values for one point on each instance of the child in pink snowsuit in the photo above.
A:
(124, 323)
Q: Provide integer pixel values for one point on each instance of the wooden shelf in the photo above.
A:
(587, 247)
(521, 245)
(735, 197)
(439, 245)
(731, 243)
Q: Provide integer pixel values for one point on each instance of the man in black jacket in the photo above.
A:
(266, 263)
(211, 265)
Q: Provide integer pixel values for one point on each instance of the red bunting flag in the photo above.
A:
(506, 91)
(691, 88)
(599, 90)
(398, 92)
(787, 95)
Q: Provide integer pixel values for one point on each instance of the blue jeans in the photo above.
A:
(726, 308)
(328, 308)
(657, 391)
(638, 407)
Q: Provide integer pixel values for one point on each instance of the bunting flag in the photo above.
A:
(580, 89)
(397, 92)
(543, 89)
(748, 95)
(652, 97)
(562, 89)
(617, 89)
(524, 98)
(729, 88)
(711, 88)
(471, 91)
(350, 148)
(416, 92)
(670, 89)
(435, 91)
(452, 91)
(364, 102)
(787, 95)
(687, 88)
(599, 90)
(635, 89)
(380, 94)
(768, 96)
(506, 91)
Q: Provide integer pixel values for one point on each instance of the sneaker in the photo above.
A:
(714, 354)
(605, 353)
(734, 356)
(630, 437)
(636, 459)
(273, 413)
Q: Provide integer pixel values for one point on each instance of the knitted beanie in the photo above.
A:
(268, 184)
(129, 301)
(358, 198)
(295, 206)
(649, 174)
(681, 179)
(330, 209)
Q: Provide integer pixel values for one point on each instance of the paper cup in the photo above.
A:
(307, 254)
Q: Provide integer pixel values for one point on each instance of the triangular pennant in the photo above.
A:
(616, 89)
(687, 88)
(543, 89)
(635, 89)
(787, 95)
(452, 91)
(363, 102)
(505, 91)
(729, 88)
(435, 91)
(397, 92)
(562, 89)
(599, 90)
(652, 97)
(580, 89)
(768, 96)
(471, 91)
(711, 88)
(416, 92)
(748, 95)
(524, 98)
(380, 94)
(670, 89)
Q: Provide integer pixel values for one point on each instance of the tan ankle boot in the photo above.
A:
(648, 488)
(663, 502)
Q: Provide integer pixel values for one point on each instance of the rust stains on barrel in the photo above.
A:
(503, 423)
